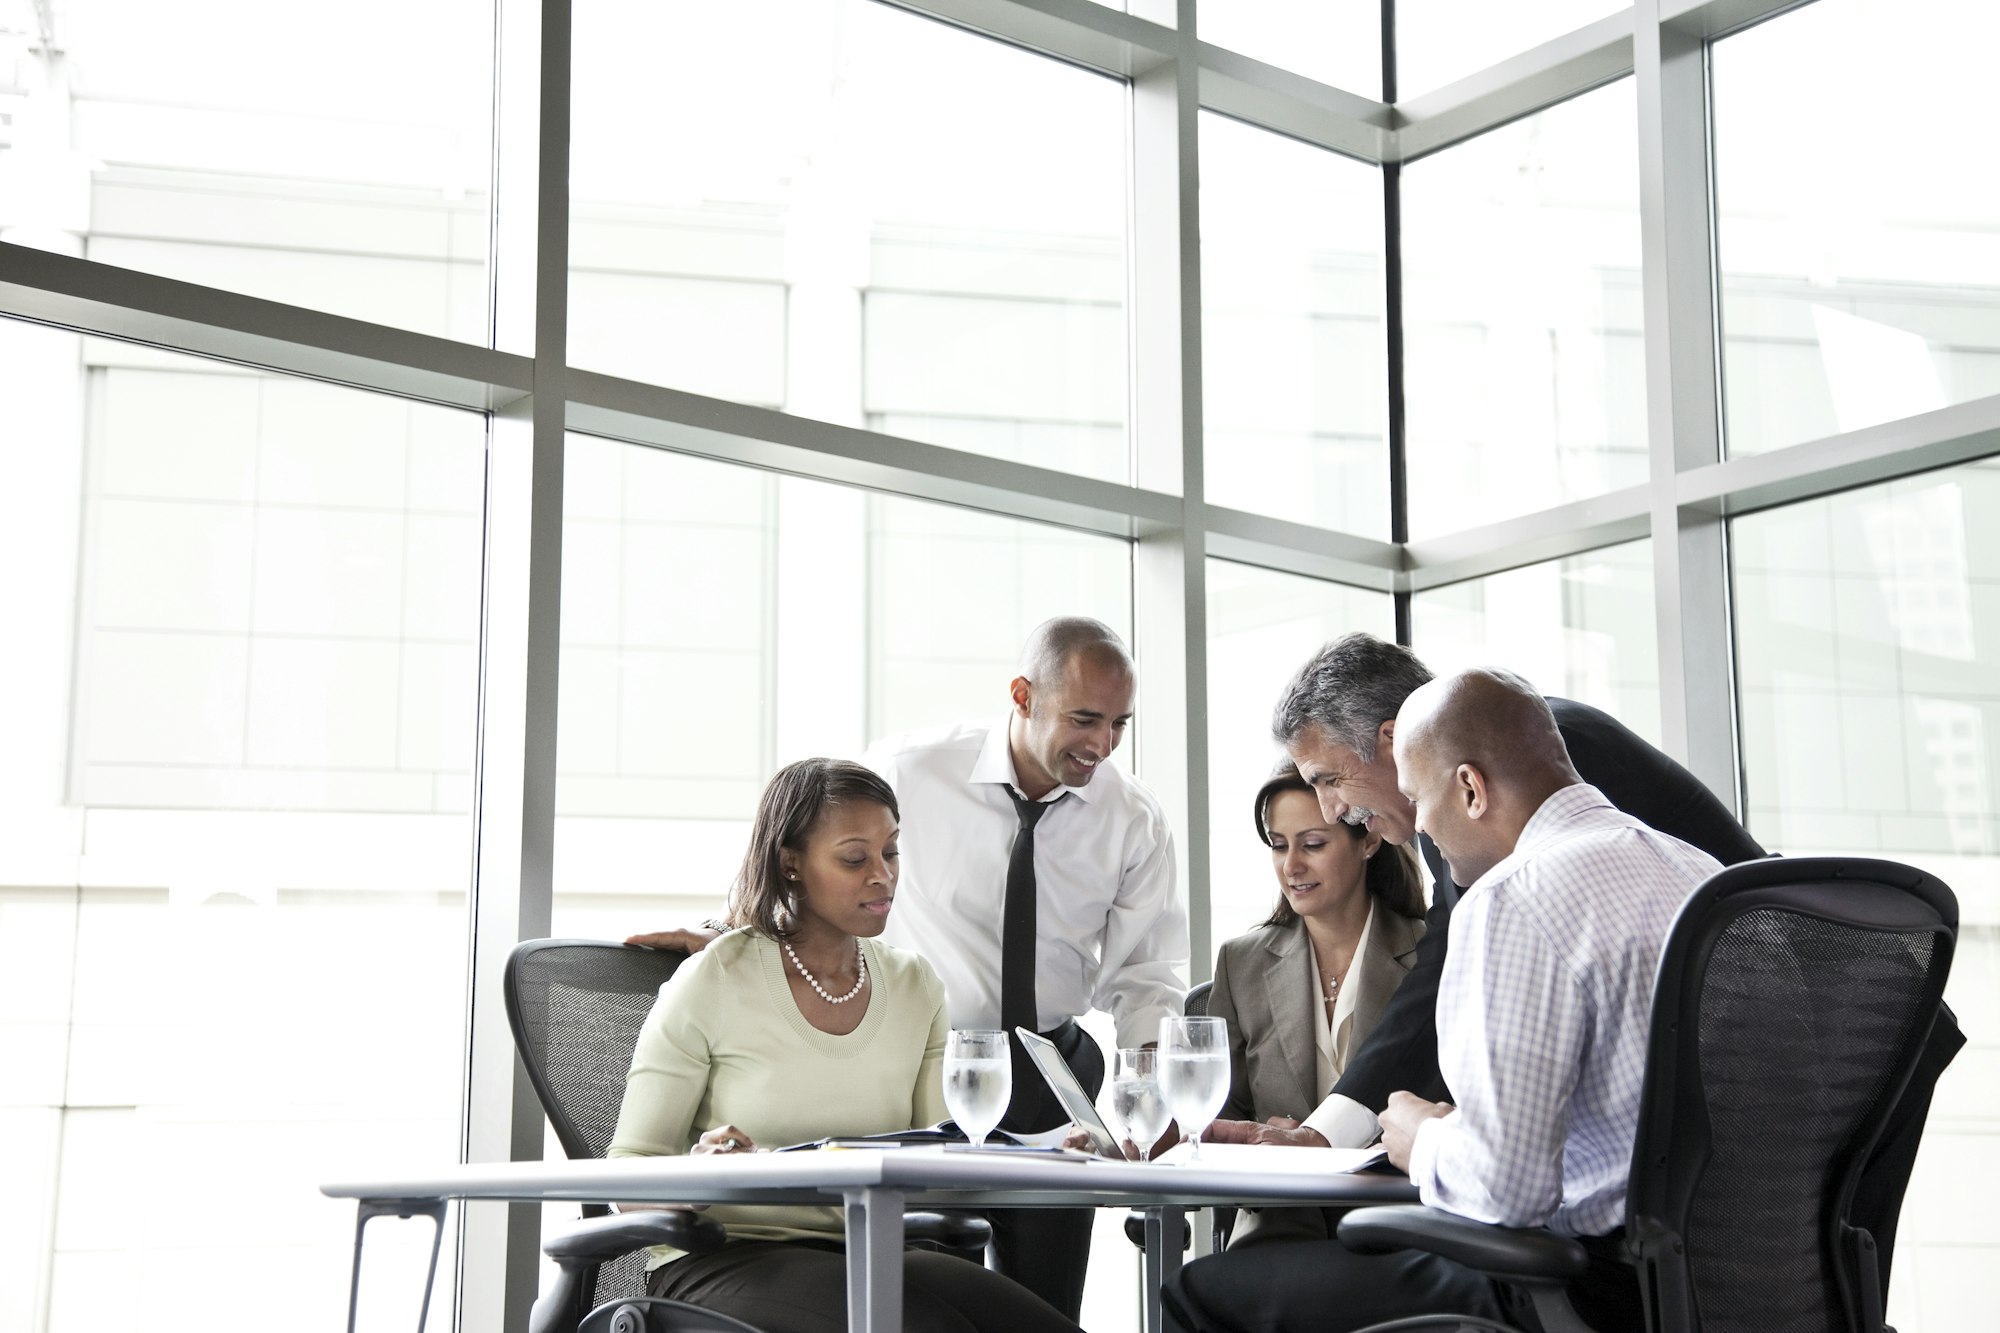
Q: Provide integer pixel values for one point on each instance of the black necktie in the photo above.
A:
(1017, 925)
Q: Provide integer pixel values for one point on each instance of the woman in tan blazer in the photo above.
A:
(1301, 991)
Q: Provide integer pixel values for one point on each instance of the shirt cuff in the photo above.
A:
(1344, 1123)
(1423, 1155)
(1143, 1027)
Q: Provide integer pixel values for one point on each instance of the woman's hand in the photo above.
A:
(726, 1138)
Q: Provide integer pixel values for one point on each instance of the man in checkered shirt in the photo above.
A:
(1542, 1013)
(1544, 1005)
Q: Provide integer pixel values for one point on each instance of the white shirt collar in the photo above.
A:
(996, 764)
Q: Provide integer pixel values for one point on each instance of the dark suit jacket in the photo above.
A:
(1646, 784)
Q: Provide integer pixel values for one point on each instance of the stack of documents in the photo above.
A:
(1274, 1157)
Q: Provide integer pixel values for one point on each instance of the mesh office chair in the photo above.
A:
(576, 1007)
(1791, 1005)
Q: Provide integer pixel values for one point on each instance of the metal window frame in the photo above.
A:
(523, 381)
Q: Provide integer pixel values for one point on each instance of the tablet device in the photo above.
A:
(1069, 1092)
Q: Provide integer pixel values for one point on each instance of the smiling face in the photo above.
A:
(1060, 733)
(846, 871)
(1322, 864)
(1352, 789)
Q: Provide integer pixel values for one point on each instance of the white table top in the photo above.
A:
(927, 1174)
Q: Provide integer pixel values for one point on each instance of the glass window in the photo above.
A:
(1523, 319)
(201, 142)
(1439, 41)
(235, 839)
(1294, 384)
(719, 622)
(1860, 261)
(1866, 629)
(1335, 41)
(1262, 626)
(1581, 628)
(883, 221)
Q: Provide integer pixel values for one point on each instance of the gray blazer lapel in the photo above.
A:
(1289, 984)
(1392, 951)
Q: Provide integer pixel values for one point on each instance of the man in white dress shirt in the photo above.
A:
(1099, 908)
(1543, 1012)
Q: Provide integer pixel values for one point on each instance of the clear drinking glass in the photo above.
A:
(978, 1080)
(1194, 1073)
(1138, 1110)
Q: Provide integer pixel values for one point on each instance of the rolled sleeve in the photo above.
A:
(1144, 945)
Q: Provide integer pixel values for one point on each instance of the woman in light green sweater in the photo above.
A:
(798, 1024)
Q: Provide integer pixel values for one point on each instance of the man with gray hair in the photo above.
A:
(1337, 720)
(1039, 881)
(1542, 1019)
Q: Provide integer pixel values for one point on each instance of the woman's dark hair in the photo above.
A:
(1392, 878)
(798, 797)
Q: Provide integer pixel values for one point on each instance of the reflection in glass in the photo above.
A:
(1525, 364)
(1580, 628)
(238, 702)
(1293, 377)
(201, 142)
(1866, 629)
(1262, 626)
(858, 215)
(1439, 41)
(1860, 262)
(719, 622)
(1337, 42)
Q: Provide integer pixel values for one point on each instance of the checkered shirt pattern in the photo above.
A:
(1542, 1012)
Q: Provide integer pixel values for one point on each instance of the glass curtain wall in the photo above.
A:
(241, 692)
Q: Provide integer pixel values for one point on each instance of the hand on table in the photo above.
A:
(724, 1138)
(1279, 1129)
(1079, 1141)
(689, 939)
(1401, 1120)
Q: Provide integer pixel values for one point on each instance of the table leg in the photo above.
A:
(874, 1260)
(1163, 1258)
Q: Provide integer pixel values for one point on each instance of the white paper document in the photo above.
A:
(1274, 1157)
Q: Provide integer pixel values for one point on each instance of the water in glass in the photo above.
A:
(1194, 1072)
(978, 1080)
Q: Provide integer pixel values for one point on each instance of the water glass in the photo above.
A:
(978, 1081)
(1138, 1110)
(1194, 1073)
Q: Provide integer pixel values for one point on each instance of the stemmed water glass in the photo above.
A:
(1138, 1110)
(1194, 1073)
(978, 1081)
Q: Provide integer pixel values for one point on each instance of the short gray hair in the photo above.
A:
(1054, 643)
(1348, 690)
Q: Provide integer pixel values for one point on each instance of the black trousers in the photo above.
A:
(1320, 1286)
(1047, 1250)
(801, 1287)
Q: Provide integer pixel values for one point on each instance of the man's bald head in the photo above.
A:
(1478, 753)
(1489, 718)
(1054, 644)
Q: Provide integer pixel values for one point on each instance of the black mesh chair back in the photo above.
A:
(1793, 1000)
(576, 1007)
(1195, 1003)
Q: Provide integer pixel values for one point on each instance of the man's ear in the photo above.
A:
(1472, 790)
(1022, 694)
(1385, 738)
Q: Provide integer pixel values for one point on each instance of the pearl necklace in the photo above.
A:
(860, 963)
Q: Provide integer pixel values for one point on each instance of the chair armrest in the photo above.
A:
(1530, 1254)
(597, 1239)
(954, 1231)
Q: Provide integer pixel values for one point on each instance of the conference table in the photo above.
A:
(875, 1186)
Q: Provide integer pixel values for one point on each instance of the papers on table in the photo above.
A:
(1274, 1157)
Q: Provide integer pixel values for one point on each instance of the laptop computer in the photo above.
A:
(1048, 1060)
